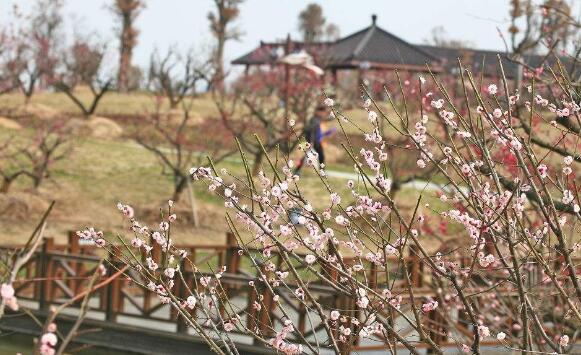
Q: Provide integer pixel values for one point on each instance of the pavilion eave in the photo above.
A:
(354, 64)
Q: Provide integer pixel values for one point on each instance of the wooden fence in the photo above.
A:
(57, 273)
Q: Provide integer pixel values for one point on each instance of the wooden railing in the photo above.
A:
(57, 273)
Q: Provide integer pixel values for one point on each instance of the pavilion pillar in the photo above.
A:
(334, 76)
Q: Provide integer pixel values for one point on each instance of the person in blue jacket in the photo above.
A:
(314, 134)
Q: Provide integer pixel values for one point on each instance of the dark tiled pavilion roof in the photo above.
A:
(378, 49)
(474, 58)
(268, 53)
(372, 46)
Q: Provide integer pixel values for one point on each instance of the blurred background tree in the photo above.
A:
(227, 11)
(312, 25)
(127, 12)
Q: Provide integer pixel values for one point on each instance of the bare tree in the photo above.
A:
(127, 11)
(175, 76)
(83, 65)
(534, 26)
(6, 82)
(227, 11)
(35, 158)
(312, 25)
(182, 144)
(312, 22)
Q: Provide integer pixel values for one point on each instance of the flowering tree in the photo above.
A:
(512, 206)
(33, 158)
(313, 26)
(14, 261)
(31, 52)
(533, 27)
(256, 107)
(6, 82)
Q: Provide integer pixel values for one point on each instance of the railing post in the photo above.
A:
(232, 256)
(251, 318)
(113, 304)
(259, 320)
(45, 275)
(439, 331)
(74, 249)
(372, 275)
(264, 316)
(346, 303)
(416, 267)
(180, 289)
(41, 267)
(327, 268)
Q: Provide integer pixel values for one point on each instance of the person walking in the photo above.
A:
(314, 135)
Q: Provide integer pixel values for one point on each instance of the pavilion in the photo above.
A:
(374, 48)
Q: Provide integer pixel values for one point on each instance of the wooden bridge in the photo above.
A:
(57, 273)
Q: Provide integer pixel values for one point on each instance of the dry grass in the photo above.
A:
(112, 104)
(88, 185)
(99, 173)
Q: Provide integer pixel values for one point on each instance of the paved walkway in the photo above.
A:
(416, 184)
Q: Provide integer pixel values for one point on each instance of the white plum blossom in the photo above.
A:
(567, 197)
(483, 331)
(564, 340)
(191, 302)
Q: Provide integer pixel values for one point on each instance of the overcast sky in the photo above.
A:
(184, 22)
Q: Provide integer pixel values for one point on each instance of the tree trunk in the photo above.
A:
(193, 203)
(180, 185)
(37, 181)
(218, 80)
(128, 10)
(6, 183)
(257, 163)
(126, 52)
(173, 104)
(395, 188)
(27, 100)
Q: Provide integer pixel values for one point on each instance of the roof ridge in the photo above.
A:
(503, 53)
(364, 41)
(499, 51)
(414, 46)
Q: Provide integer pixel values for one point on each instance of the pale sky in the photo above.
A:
(184, 22)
